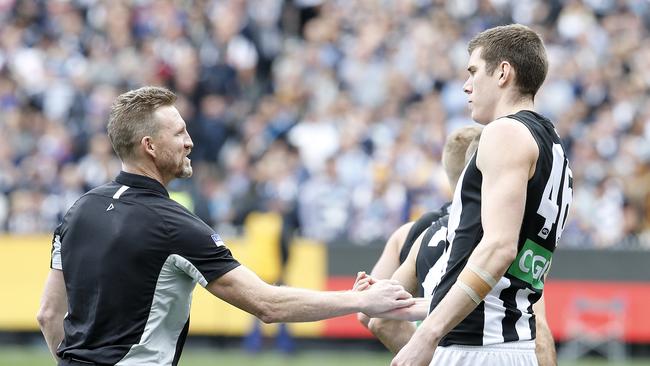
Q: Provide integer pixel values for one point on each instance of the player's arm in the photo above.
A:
(506, 156)
(388, 262)
(394, 334)
(245, 290)
(54, 305)
(544, 344)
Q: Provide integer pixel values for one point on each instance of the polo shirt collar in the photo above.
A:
(140, 181)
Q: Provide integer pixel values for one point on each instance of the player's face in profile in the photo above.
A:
(174, 143)
(481, 89)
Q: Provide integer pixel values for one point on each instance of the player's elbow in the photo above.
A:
(46, 316)
(363, 319)
(268, 313)
(377, 325)
(504, 249)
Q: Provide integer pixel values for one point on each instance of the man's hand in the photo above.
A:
(417, 352)
(382, 296)
(363, 281)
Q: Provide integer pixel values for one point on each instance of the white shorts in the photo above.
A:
(520, 353)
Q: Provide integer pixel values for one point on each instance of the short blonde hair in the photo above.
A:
(455, 151)
(131, 117)
(473, 146)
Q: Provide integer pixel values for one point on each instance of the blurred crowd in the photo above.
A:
(331, 113)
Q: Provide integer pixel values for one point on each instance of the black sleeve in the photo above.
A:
(416, 230)
(199, 245)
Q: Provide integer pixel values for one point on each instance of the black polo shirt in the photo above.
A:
(131, 258)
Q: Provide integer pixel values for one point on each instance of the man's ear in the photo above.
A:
(506, 73)
(148, 146)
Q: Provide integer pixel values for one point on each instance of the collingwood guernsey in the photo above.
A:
(506, 314)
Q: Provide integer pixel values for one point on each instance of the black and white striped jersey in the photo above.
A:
(131, 258)
(506, 313)
(419, 226)
(428, 268)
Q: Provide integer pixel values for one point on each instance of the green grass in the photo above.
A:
(192, 356)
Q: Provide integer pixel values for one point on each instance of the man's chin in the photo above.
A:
(185, 173)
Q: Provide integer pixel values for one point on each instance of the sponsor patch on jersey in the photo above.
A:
(217, 239)
(531, 264)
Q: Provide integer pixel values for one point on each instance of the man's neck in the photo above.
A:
(506, 108)
(147, 171)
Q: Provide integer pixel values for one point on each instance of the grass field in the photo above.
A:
(38, 356)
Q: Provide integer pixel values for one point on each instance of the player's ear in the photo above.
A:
(148, 147)
(506, 72)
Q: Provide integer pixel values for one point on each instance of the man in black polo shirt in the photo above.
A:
(126, 258)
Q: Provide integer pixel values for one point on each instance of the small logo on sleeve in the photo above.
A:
(110, 207)
(217, 239)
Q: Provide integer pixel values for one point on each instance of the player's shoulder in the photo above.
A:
(507, 133)
(505, 127)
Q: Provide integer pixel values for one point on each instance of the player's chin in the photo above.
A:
(185, 171)
(478, 118)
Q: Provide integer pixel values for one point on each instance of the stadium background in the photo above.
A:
(320, 124)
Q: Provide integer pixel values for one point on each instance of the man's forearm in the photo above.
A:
(300, 305)
(453, 308)
(545, 346)
(394, 334)
(52, 330)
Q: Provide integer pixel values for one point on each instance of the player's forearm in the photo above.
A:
(453, 308)
(494, 256)
(52, 328)
(485, 267)
(415, 312)
(545, 346)
(394, 334)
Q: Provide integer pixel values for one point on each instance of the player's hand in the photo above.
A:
(385, 295)
(363, 281)
(417, 352)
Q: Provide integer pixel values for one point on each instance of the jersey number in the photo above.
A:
(553, 207)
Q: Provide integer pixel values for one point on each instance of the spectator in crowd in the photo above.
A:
(357, 95)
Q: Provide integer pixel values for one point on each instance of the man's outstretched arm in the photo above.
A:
(244, 289)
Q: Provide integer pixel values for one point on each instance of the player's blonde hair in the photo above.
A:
(132, 117)
(456, 149)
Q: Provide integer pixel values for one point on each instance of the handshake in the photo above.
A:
(383, 298)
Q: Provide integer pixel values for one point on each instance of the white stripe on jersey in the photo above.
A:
(56, 253)
(452, 224)
(170, 310)
(455, 210)
(436, 271)
(523, 326)
(119, 192)
(494, 314)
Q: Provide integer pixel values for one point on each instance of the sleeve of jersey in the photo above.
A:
(204, 256)
(55, 261)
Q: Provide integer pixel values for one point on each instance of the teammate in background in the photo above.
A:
(126, 258)
(505, 219)
(401, 240)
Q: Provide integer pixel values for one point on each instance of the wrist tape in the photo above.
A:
(476, 282)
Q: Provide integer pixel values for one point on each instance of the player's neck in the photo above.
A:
(508, 107)
(145, 170)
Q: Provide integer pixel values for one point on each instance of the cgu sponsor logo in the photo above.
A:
(536, 265)
(531, 264)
